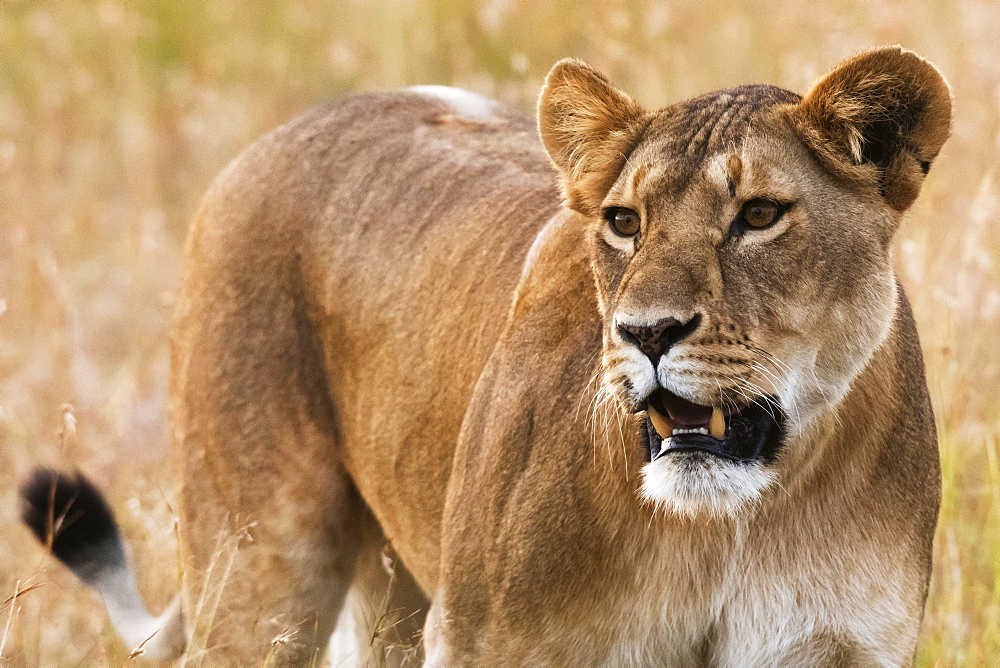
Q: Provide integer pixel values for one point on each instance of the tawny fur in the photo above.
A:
(391, 329)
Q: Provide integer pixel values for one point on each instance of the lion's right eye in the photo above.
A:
(624, 222)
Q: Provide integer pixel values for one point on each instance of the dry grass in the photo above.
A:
(114, 116)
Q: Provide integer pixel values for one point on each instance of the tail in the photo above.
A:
(68, 515)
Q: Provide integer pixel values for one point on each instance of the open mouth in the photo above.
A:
(742, 434)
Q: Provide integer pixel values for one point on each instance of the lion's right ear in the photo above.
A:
(588, 128)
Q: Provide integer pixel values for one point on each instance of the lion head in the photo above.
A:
(741, 246)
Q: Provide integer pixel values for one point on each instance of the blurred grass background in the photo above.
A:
(115, 116)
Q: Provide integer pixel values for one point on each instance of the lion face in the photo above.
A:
(742, 262)
(742, 306)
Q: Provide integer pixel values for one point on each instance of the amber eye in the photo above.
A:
(759, 212)
(623, 222)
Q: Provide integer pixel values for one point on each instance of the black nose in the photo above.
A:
(655, 340)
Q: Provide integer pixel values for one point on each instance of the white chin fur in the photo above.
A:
(693, 484)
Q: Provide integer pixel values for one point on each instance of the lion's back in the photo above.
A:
(376, 244)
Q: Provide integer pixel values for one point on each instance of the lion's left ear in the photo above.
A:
(887, 108)
(588, 126)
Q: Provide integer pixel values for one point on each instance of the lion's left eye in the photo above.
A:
(759, 212)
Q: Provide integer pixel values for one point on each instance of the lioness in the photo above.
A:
(664, 406)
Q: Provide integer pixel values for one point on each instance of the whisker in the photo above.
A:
(819, 385)
(593, 379)
(604, 394)
(781, 385)
(777, 382)
(724, 398)
(769, 357)
(610, 409)
(767, 404)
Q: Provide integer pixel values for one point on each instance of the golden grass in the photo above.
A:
(114, 117)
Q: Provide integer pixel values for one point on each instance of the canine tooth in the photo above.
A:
(717, 425)
(660, 422)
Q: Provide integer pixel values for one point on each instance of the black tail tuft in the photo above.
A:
(70, 513)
